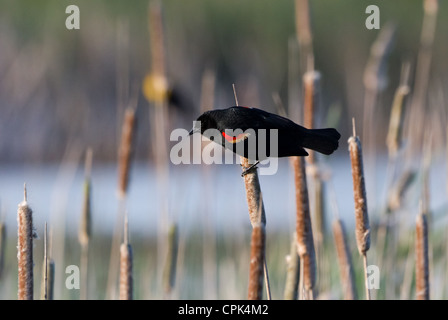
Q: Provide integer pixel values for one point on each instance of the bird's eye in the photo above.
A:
(212, 138)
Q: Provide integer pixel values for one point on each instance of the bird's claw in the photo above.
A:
(250, 169)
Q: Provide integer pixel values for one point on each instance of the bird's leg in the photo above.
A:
(251, 168)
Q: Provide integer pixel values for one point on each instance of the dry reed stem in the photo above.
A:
(125, 151)
(257, 259)
(126, 266)
(207, 90)
(422, 72)
(25, 250)
(169, 272)
(47, 283)
(305, 241)
(394, 135)
(422, 258)
(85, 225)
(156, 36)
(2, 247)
(311, 83)
(345, 261)
(359, 190)
(304, 33)
(398, 191)
(292, 272)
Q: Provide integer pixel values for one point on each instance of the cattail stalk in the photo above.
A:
(304, 32)
(311, 84)
(2, 247)
(305, 241)
(85, 226)
(257, 259)
(345, 261)
(422, 258)
(256, 212)
(292, 272)
(360, 197)
(25, 249)
(169, 273)
(47, 284)
(394, 135)
(126, 266)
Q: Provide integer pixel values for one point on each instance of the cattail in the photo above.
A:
(126, 263)
(25, 249)
(422, 258)
(2, 247)
(126, 151)
(256, 213)
(305, 241)
(345, 261)
(169, 274)
(359, 190)
(292, 272)
(257, 258)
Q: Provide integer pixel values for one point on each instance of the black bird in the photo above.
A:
(292, 138)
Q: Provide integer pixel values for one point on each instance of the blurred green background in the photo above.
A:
(59, 85)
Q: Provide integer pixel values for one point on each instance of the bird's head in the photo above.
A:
(204, 122)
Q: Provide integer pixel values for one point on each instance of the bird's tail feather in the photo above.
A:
(325, 141)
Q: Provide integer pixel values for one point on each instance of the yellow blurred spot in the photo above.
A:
(155, 88)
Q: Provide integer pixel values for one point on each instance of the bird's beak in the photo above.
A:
(191, 132)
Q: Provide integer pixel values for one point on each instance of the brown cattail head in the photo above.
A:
(126, 279)
(345, 261)
(126, 265)
(359, 190)
(25, 250)
(305, 241)
(257, 256)
(422, 258)
(126, 151)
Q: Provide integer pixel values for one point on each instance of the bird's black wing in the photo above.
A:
(253, 118)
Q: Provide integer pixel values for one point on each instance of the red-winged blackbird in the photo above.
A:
(292, 138)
